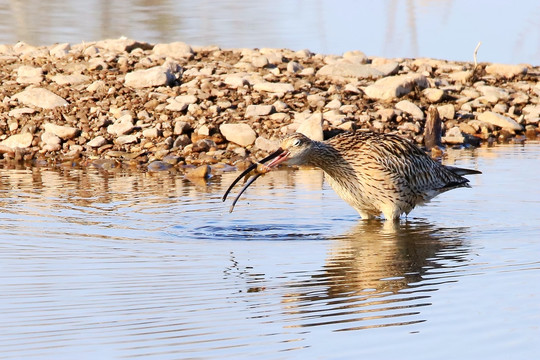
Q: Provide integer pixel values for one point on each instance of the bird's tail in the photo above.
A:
(461, 171)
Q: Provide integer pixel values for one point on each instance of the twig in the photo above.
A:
(475, 53)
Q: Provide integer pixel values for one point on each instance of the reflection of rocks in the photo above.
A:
(372, 271)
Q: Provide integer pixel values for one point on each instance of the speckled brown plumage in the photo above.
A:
(374, 173)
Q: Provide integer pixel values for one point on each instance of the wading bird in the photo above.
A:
(374, 173)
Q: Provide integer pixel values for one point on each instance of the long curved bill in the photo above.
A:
(278, 157)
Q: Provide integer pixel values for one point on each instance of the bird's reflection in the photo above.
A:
(377, 274)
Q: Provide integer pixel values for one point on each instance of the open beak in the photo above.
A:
(277, 158)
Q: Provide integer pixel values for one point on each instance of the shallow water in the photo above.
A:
(127, 264)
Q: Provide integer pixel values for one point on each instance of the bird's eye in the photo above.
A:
(296, 142)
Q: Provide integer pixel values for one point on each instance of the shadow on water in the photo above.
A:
(375, 275)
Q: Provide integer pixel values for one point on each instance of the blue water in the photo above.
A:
(134, 265)
(445, 29)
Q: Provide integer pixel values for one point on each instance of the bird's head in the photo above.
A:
(294, 150)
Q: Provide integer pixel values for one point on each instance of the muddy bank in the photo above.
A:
(120, 102)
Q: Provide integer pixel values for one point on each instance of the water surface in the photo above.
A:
(135, 265)
(445, 29)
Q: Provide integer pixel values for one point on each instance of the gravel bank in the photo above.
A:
(120, 102)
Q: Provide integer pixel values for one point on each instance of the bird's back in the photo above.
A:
(390, 174)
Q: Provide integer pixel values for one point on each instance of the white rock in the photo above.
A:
(155, 76)
(98, 141)
(280, 88)
(97, 63)
(181, 102)
(266, 145)
(335, 117)
(499, 120)
(344, 69)
(334, 104)
(453, 136)
(294, 67)
(63, 132)
(29, 75)
(388, 68)
(461, 76)
(260, 61)
(50, 139)
(506, 71)
(274, 56)
(98, 85)
(433, 95)
(73, 79)
(126, 139)
(60, 50)
(241, 134)
(122, 126)
(307, 71)
(410, 108)
(392, 87)
(312, 127)
(23, 141)
(446, 111)
(17, 113)
(495, 92)
(203, 130)
(236, 81)
(121, 44)
(40, 97)
(150, 133)
(259, 110)
(178, 50)
(355, 57)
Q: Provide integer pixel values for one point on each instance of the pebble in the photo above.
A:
(29, 75)
(241, 134)
(126, 139)
(505, 70)
(494, 92)
(40, 97)
(433, 95)
(411, 109)
(312, 127)
(63, 132)
(152, 77)
(201, 172)
(447, 111)
(60, 50)
(124, 125)
(178, 50)
(73, 79)
(259, 110)
(280, 88)
(51, 139)
(393, 87)
(499, 120)
(22, 141)
(453, 136)
(181, 102)
(19, 112)
(264, 144)
(98, 141)
(150, 133)
(294, 67)
(344, 69)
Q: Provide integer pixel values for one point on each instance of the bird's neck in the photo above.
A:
(329, 159)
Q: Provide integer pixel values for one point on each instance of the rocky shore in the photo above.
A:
(123, 103)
